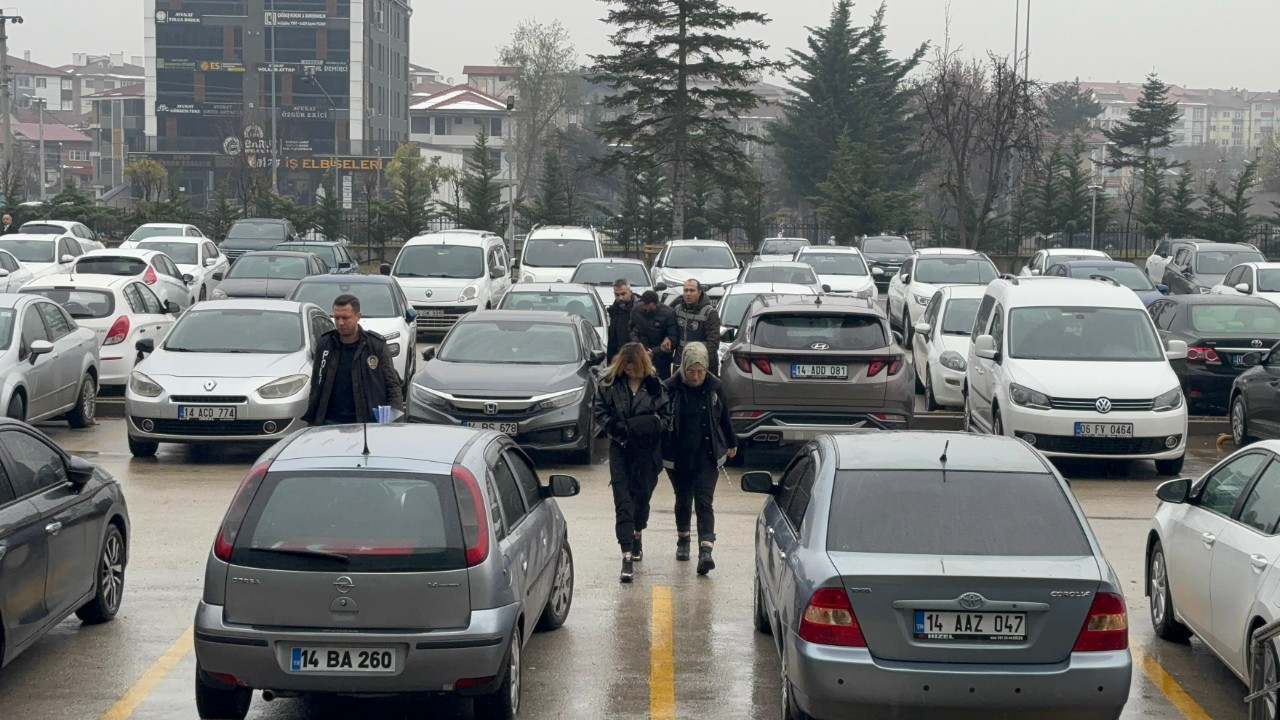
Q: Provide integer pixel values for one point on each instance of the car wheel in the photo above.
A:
(109, 580)
(81, 416)
(17, 408)
(505, 703)
(968, 415)
(1239, 422)
(204, 293)
(997, 424)
(930, 402)
(758, 617)
(586, 455)
(907, 330)
(215, 701)
(1170, 467)
(557, 610)
(143, 448)
(1163, 620)
(1270, 671)
(917, 373)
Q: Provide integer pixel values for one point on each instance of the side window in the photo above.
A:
(1183, 258)
(1246, 277)
(931, 312)
(1162, 248)
(906, 269)
(192, 232)
(526, 477)
(1261, 508)
(149, 300)
(6, 490)
(1222, 489)
(169, 268)
(1233, 277)
(984, 312)
(790, 486)
(134, 298)
(798, 503)
(997, 328)
(35, 467)
(7, 262)
(1037, 262)
(32, 327)
(210, 250)
(58, 323)
(508, 490)
(320, 324)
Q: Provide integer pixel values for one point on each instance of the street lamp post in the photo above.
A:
(511, 185)
(39, 102)
(311, 77)
(1093, 216)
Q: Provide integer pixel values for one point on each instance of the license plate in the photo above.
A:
(431, 313)
(932, 625)
(206, 412)
(829, 372)
(1236, 360)
(508, 428)
(1104, 430)
(347, 660)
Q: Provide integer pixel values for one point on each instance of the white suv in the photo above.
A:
(448, 274)
(551, 253)
(924, 273)
(1075, 368)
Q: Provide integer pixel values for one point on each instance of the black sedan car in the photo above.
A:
(886, 252)
(64, 538)
(1255, 399)
(1195, 269)
(529, 374)
(1220, 332)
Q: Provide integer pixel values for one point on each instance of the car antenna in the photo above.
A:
(365, 425)
(942, 459)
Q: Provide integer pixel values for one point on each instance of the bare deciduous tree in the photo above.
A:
(546, 86)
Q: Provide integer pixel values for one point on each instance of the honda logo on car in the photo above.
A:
(491, 408)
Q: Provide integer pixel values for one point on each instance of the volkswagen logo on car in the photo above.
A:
(1103, 405)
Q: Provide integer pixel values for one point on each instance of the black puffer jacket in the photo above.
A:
(636, 422)
(722, 437)
(650, 329)
(620, 325)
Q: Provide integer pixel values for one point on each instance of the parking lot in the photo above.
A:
(672, 645)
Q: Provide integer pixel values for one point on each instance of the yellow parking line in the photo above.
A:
(1161, 678)
(146, 684)
(662, 657)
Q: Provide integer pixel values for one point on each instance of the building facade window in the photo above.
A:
(442, 127)
(42, 83)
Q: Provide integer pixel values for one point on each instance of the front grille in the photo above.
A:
(853, 421)
(447, 316)
(233, 254)
(1099, 446)
(209, 399)
(1090, 404)
(211, 428)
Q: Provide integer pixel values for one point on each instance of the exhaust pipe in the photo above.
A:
(268, 695)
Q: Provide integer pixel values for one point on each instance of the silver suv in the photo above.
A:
(376, 559)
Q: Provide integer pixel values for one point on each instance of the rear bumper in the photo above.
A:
(833, 683)
(425, 662)
(1204, 388)
(801, 424)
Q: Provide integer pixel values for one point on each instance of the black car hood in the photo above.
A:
(498, 380)
(250, 244)
(886, 257)
(258, 287)
(1207, 281)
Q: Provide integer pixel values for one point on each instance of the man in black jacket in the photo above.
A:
(6, 225)
(620, 316)
(653, 325)
(353, 373)
(698, 322)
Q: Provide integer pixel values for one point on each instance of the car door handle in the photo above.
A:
(53, 528)
(771, 531)
(782, 555)
(1208, 539)
(3, 549)
(1258, 562)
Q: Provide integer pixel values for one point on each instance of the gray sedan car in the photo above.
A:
(268, 274)
(918, 576)
(367, 560)
(48, 363)
(64, 537)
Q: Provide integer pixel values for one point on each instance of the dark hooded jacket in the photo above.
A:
(722, 437)
(374, 376)
(649, 329)
(635, 422)
(620, 324)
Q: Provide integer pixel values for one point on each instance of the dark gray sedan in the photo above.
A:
(64, 538)
(915, 576)
(268, 274)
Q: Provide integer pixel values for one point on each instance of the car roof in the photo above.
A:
(31, 236)
(815, 303)
(1053, 291)
(1095, 263)
(277, 253)
(553, 317)
(13, 300)
(611, 260)
(165, 225)
(1075, 251)
(769, 288)
(791, 264)
(946, 251)
(1224, 246)
(1209, 299)
(415, 442)
(60, 223)
(542, 287)
(961, 292)
(917, 450)
(347, 280)
(85, 280)
(250, 304)
(950, 255)
(174, 238)
(268, 221)
(832, 249)
(562, 232)
(469, 238)
(293, 243)
(141, 253)
(695, 241)
(1262, 265)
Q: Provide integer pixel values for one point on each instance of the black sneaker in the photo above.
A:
(705, 563)
(637, 550)
(627, 572)
(682, 548)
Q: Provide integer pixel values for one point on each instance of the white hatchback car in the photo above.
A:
(449, 274)
(13, 274)
(552, 252)
(151, 230)
(43, 254)
(924, 273)
(150, 266)
(1259, 279)
(1211, 556)
(194, 256)
(710, 262)
(843, 269)
(940, 344)
(1043, 259)
(1076, 369)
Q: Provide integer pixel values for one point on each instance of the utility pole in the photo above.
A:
(1093, 216)
(275, 160)
(511, 185)
(39, 103)
(6, 92)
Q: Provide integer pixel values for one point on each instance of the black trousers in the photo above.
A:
(695, 491)
(633, 476)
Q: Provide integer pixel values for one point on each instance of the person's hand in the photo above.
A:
(666, 345)
(733, 452)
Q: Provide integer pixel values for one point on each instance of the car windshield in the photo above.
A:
(262, 267)
(838, 332)
(143, 233)
(558, 252)
(81, 304)
(511, 342)
(889, 245)
(793, 274)
(1130, 277)
(1269, 280)
(1213, 262)
(734, 306)
(361, 521)
(30, 251)
(462, 262)
(958, 318)
(243, 230)
(236, 330)
(600, 273)
(6, 327)
(708, 257)
(182, 253)
(574, 303)
(959, 513)
(376, 299)
(835, 263)
(35, 228)
(121, 265)
(1235, 318)
(326, 252)
(1087, 334)
(782, 246)
(955, 271)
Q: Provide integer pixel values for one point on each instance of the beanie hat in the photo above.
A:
(695, 353)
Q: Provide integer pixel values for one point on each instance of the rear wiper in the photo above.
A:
(302, 552)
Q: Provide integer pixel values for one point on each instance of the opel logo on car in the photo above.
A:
(972, 601)
(1103, 405)
(819, 346)
(491, 408)
(1256, 343)
(209, 385)
(344, 585)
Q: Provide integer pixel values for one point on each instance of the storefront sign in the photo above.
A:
(175, 64)
(326, 163)
(177, 17)
(333, 66)
(277, 67)
(218, 66)
(201, 109)
(296, 19)
(305, 112)
(301, 147)
(184, 161)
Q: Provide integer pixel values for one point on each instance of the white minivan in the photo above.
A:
(446, 275)
(551, 253)
(1076, 369)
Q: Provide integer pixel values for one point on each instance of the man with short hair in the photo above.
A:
(353, 372)
(698, 321)
(653, 325)
(620, 316)
(6, 225)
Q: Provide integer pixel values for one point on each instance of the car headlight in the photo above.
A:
(921, 299)
(394, 348)
(1026, 397)
(140, 384)
(527, 277)
(865, 294)
(953, 361)
(1171, 400)
(284, 387)
(427, 397)
(469, 292)
(391, 335)
(559, 400)
(218, 294)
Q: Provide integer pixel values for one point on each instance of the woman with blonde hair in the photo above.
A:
(631, 405)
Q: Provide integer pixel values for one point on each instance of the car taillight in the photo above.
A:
(743, 362)
(235, 514)
(746, 362)
(1107, 627)
(1203, 354)
(475, 523)
(829, 620)
(149, 277)
(763, 365)
(893, 363)
(118, 332)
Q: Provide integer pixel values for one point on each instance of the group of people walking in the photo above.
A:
(676, 420)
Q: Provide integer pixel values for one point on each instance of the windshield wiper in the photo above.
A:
(302, 552)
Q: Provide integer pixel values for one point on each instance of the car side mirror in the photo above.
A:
(759, 481)
(1162, 288)
(1175, 350)
(1175, 491)
(728, 335)
(1243, 288)
(172, 307)
(1187, 272)
(385, 268)
(344, 266)
(1035, 271)
(219, 276)
(40, 347)
(429, 354)
(564, 486)
(210, 262)
(877, 271)
(596, 357)
(188, 278)
(923, 328)
(905, 277)
(145, 346)
(897, 337)
(4, 273)
(1251, 359)
(826, 288)
(716, 293)
(79, 471)
(660, 287)
(985, 348)
(410, 315)
(67, 258)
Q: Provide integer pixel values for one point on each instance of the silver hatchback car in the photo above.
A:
(912, 575)
(377, 559)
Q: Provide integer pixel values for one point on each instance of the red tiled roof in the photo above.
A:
(489, 70)
(460, 97)
(53, 132)
(133, 90)
(25, 67)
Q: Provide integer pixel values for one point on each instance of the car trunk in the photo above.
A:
(1232, 347)
(819, 360)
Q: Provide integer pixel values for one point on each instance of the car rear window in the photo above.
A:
(800, 332)
(797, 275)
(574, 303)
(961, 513)
(122, 266)
(352, 521)
(80, 304)
(1235, 318)
(182, 253)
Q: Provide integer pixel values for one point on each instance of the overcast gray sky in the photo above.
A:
(1219, 43)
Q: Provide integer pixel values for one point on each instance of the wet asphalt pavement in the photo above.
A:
(597, 666)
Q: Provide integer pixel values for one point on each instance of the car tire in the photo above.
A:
(561, 600)
(17, 408)
(1170, 467)
(81, 416)
(1163, 619)
(143, 448)
(204, 293)
(930, 402)
(1239, 422)
(108, 580)
(220, 702)
(505, 703)
(997, 424)
(586, 455)
(758, 616)
(789, 709)
(1270, 670)
(916, 373)
(968, 415)
(907, 331)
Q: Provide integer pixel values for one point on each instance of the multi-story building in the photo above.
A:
(233, 85)
(66, 152)
(445, 124)
(92, 74)
(1263, 111)
(115, 122)
(492, 80)
(33, 80)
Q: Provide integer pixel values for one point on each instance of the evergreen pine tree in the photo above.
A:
(1148, 128)
(1211, 215)
(412, 180)
(482, 207)
(1047, 189)
(1074, 206)
(327, 216)
(1181, 219)
(551, 206)
(1238, 222)
(855, 200)
(697, 223)
(1069, 108)
(1155, 197)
